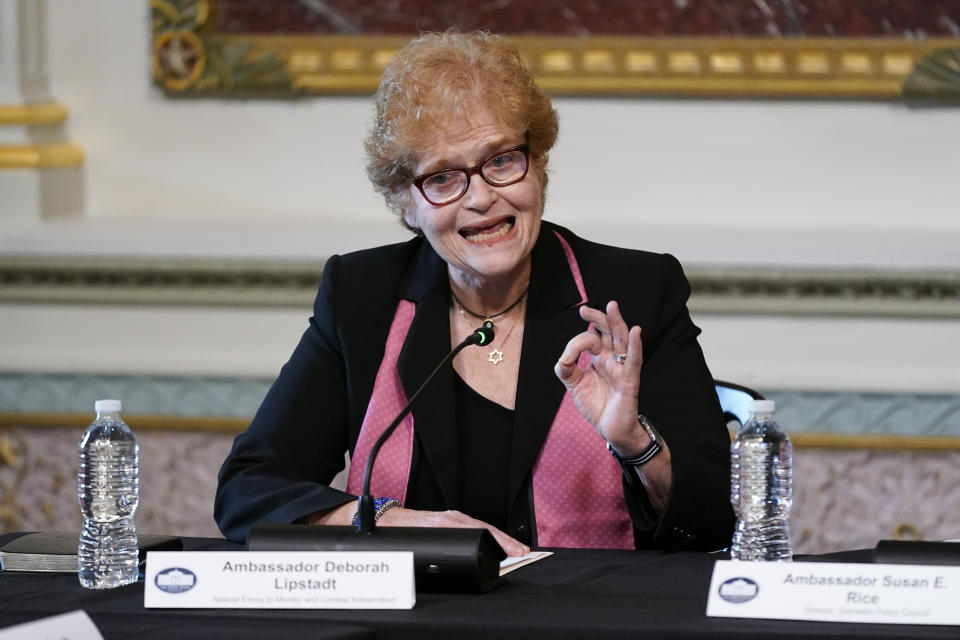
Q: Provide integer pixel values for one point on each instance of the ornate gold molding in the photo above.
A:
(738, 290)
(874, 441)
(696, 67)
(40, 156)
(11, 419)
(32, 114)
(189, 55)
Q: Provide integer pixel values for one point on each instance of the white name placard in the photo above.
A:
(75, 625)
(279, 580)
(836, 592)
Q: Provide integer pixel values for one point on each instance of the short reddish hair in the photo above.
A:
(442, 76)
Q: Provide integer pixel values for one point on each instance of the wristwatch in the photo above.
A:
(645, 456)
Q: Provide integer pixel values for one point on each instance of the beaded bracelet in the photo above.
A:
(380, 505)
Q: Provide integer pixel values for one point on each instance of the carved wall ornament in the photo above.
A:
(189, 56)
(907, 531)
(179, 59)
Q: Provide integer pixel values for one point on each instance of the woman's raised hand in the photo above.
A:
(606, 392)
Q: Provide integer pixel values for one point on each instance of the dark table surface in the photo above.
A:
(572, 594)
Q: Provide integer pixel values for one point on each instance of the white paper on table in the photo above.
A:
(75, 625)
(515, 562)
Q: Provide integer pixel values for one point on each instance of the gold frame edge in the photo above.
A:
(42, 113)
(40, 156)
(791, 67)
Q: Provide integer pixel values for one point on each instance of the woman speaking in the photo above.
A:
(589, 421)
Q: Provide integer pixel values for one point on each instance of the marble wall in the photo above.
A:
(178, 475)
(816, 18)
(843, 498)
(850, 499)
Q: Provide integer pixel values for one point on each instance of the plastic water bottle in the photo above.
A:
(761, 487)
(108, 486)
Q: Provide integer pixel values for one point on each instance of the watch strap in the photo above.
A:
(645, 456)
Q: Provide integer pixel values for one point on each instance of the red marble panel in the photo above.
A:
(774, 18)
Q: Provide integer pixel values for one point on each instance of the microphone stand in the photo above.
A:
(444, 559)
(366, 523)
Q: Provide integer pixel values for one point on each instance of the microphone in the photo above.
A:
(483, 335)
(367, 521)
(445, 559)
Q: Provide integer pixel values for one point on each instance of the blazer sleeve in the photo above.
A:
(279, 469)
(678, 396)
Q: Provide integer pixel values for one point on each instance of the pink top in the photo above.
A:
(577, 485)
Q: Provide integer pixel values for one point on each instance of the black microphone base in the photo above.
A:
(917, 552)
(444, 560)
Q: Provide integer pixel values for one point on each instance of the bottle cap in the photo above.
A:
(761, 406)
(107, 406)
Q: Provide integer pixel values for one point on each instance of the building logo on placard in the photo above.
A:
(738, 590)
(175, 580)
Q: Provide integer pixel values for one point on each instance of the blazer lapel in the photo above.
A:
(552, 320)
(427, 343)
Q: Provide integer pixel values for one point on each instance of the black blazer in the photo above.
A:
(279, 469)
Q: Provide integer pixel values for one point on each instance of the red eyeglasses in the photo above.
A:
(499, 170)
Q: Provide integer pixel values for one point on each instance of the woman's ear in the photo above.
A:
(408, 212)
(403, 203)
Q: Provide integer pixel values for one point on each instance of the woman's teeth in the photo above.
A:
(488, 233)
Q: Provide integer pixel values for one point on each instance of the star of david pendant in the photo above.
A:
(496, 356)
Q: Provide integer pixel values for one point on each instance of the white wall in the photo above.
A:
(723, 182)
(650, 167)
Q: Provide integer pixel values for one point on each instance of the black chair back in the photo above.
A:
(735, 400)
